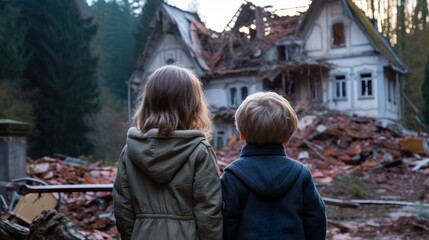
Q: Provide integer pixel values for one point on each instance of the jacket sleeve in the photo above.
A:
(123, 208)
(314, 217)
(207, 195)
(232, 210)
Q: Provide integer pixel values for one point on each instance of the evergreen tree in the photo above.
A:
(13, 60)
(143, 26)
(400, 27)
(425, 94)
(115, 47)
(414, 57)
(13, 57)
(420, 14)
(62, 70)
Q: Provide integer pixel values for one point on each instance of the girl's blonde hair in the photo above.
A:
(172, 99)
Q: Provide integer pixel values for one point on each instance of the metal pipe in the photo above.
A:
(26, 189)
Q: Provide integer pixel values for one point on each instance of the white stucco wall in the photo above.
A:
(318, 42)
(357, 56)
(169, 47)
(217, 92)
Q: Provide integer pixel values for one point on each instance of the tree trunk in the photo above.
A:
(12, 231)
(51, 225)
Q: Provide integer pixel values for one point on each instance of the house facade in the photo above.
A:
(331, 55)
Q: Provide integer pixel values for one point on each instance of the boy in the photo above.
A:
(266, 194)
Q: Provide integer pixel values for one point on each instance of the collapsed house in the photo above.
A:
(331, 55)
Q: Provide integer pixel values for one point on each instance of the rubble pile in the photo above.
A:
(332, 143)
(90, 212)
(329, 142)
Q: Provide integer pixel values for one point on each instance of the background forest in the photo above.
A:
(64, 66)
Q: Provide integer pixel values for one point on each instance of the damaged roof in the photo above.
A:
(237, 50)
(252, 31)
(188, 25)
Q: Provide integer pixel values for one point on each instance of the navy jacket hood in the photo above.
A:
(268, 180)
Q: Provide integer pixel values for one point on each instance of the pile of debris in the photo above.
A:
(90, 212)
(332, 143)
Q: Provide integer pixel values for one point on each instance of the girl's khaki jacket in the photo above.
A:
(167, 187)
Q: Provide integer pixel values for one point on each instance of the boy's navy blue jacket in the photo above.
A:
(270, 196)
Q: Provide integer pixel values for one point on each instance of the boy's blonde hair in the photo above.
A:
(266, 117)
(172, 99)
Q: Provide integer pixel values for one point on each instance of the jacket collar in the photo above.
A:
(153, 133)
(266, 149)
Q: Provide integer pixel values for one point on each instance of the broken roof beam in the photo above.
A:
(244, 16)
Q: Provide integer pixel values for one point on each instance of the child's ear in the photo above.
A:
(285, 142)
(242, 137)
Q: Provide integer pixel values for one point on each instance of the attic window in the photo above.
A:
(338, 39)
(170, 61)
(287, 52)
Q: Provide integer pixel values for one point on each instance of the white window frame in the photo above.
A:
(391, 91)
(340, 87)
(236, 93)
(220, 140)
(366, 85)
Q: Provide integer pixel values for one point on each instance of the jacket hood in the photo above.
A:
(266, 169)
(160, 157)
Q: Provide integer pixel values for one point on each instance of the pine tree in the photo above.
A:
(62, 70)
(14, 104)
(143, 26)
(115, 46)
(425, 94)
(420, 14)
(13, 57)
(401, 27)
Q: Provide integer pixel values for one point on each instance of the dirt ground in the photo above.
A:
(379, 221)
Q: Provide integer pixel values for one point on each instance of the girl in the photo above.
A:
(167, 186)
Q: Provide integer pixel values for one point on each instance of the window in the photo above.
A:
(340, 87)
(244, 93)
(219, 140)
(237, 93)
(170, 61)
(338, 39)
(288, 52)
(366, 85)
(281, 51)
(233, 94)
(391, 91)
(316, 89)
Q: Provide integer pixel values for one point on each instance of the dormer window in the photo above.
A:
(170, 61)
(338, 36)
(287, 52)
